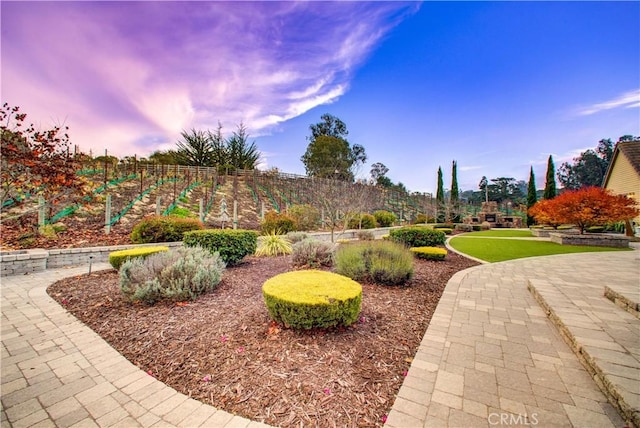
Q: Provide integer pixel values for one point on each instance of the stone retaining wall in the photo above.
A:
(37, 260)
(596, 240)
(544, 233)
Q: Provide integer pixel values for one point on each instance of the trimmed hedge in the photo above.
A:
(163, 229)
(233, 245)
(429, 253)
(312, 299)
(117, 258)
(417, 236)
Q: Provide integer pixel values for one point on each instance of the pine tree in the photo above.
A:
(550, 186)
(455, 193)
(531, 196)
(440, 197)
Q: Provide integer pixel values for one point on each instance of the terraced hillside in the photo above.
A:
(190, 191)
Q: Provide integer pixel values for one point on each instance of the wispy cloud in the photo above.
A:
(151, 69)
(629, 99)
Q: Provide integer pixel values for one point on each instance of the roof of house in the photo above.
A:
(631, 150)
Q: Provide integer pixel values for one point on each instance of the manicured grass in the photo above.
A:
(498, 250)
(503, 233)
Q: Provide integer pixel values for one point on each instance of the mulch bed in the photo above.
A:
(224, 350)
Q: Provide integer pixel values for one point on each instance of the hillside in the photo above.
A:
(134, 194)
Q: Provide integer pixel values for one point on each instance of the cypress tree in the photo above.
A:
(440, 197)
(531, 196)
(455, 193)
(550, 185)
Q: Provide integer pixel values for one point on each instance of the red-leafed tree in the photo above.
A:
(589, 206)
(35, 162)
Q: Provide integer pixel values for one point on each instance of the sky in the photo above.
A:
(496, 86)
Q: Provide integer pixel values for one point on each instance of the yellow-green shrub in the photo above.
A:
(445, 230)
(116, 258)
(273, 244)
(311, 298)
(429, 253)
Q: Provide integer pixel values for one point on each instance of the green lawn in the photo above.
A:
(498, 250)
(503, 233)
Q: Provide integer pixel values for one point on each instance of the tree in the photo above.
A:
(168, 157)
(589, 206)
(550, 185)
(379, 172)
(505, 189)
(440, 198)
(484, 186)
(194, 149)
(35, 162)
(588, 169)
(532, 197)
(454, 198)
(329, 154)
(240, 153)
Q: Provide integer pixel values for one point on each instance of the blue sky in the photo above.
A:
(497, 86)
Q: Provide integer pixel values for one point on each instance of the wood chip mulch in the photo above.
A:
(224, 350)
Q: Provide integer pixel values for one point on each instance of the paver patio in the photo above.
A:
(490, 353)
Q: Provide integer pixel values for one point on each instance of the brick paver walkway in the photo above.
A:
(490, 354)
(492, 357)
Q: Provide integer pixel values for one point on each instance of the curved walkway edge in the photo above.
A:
(57, 372)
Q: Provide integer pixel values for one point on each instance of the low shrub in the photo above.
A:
(179, 275)
(365, 235)
(305, 217)
(445, 230)
(385, 218)
(417, 236)
(48, 231)
(362, 221)
(476, 228)
(163, 229)
(273, 245)
(277, 223)
(420, 218)
(485, 225)
(382, 262)
(464, 227)
(294, 237)
(429, 253)
(443, 226)
(181, 212)
(566, 227)
(233, 245)
(595, 229)
(117, 258)
(313, 253)
(312, 299)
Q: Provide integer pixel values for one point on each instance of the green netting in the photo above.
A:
(271, 198)
(182, 194)
(160, 182)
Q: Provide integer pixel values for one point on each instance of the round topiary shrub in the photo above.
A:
(362, 221)
(385, 218)
(117, 258)
(312, 299)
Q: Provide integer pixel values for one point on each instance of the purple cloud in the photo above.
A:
(129, 76)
